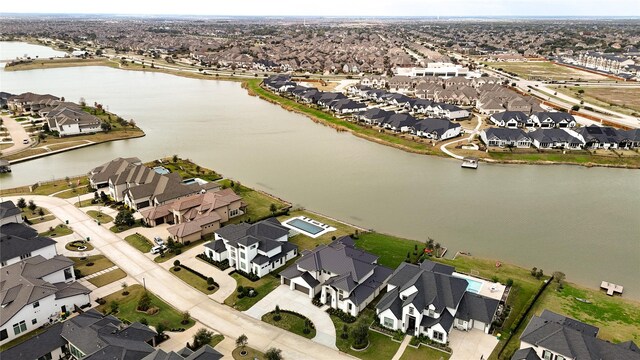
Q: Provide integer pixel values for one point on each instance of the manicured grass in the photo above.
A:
(305, 242)
(253, 86)
(100, 216)
(291, 322)
(391, 249)
(258, 204)
(60, 230)
(579, 157)
(71, 246)
(424, 353)
(100, 262)
(108, 278)
(380, 346)
(169, 256)
(45, 189)
(39, 219)
(120, 228)
(617, 318)
(263, 286)
(186, 169)
(251, 354)
(139, 242)
(35, 213)
(193, 280)
(80, 190)
(216, 339)
(127, 309)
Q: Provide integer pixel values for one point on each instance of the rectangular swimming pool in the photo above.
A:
(474, 285)
(305, 226)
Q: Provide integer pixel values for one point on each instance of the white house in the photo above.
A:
(511, 119)
(505, 137)
(259, 248)
(72, 120)
(346, 278)
(20, 242)
(557, 119)
(551, 138)
(427, 300)
(10, 213)
(450, 111)
(436, 129)
(35, 292)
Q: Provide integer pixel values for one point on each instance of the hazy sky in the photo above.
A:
(335, 7)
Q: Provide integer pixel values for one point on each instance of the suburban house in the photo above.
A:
(196, 215)
(344, 277)
(602, 137)
(428, 300)
(551, 138)
(10, 213)
(557, 119)
(437, 129)
(451, 112)
(253, 248)
(30, 102)
(204, 353)
(551, 336)
(505, 137)
(19, 241)
(72, 120)
(92, 335)
(511, 119)
(99, 176)
(346, 106)
(35, 292)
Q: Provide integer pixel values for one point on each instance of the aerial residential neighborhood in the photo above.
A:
(257, 180)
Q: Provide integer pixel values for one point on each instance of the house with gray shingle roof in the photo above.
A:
(505, 137)
(345, 278)
(19, 241)
(553, 336)
(253, 248)
(204, 353)
(35, 292)
(10, 213)
(551, 138)
(428, 300)
(553, 119)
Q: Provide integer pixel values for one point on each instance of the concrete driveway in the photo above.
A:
(18, 134)
(471, 344)
(300, 303)
(229, 322)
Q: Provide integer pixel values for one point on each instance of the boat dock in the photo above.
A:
(611, 288)
(470, 163)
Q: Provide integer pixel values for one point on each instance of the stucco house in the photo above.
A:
(428, 300)
(253, 248)
(346, 278)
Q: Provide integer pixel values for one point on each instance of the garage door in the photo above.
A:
(302, 289)
(287, 281)
(478, 325)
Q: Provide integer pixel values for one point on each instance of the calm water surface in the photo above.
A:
(582, 221)
(12, 50)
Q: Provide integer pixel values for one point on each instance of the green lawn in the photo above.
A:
(380, 346)
(258, 203)
(60, 230)
(291, 322)
(251, 354)
(265, 285)
(579, 157)
(169, 256)
(41, 219)
(253, 86)
(391, 249)
(108, 278)
(100, 262)
(424, 353)
(305, 242)
(187, 169)
(193, 280)
(100, 216)
(71, 246)
(216, 339)
(128, 304)
(72, 192)
(45, 189)
(139, 242)
(120, 228)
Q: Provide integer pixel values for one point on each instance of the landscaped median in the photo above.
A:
(291, 321)
(254, 88)
(100, 216)
(139, 242)
(195, 279)
(59, 230)
(107, 278)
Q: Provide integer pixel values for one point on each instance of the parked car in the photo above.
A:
(157, 249)
(25, 141)
(158, 240)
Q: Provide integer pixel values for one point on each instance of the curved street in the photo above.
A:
(223, 319)
(18, 134)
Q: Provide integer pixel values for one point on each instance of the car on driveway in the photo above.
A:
(157, 249)
(158, 240)
(25, 141)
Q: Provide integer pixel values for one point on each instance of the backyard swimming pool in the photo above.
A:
(473, 286)
(308, 226)
(305, 226)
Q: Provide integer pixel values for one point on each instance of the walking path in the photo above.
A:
(158, 280)
(101, 272)
(402, 347)
(444, 149)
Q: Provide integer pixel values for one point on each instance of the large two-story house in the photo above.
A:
(19, 241)
(253, 248)
(10, 213)
(428, 300)
(552, 336)
(346, 278)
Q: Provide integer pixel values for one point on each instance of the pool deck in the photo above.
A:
(488, 288)
(326, 228)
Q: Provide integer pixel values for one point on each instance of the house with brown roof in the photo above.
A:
(196, 215)
(30, 102)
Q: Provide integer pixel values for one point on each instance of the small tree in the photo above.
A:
(40, 212)
(160, 329)
(103, 197)
(276, 313)
(113, 306)
(273, 208)
(185, 318)
(438, 247)
(176, 263)
(32, 206)
(96, 197)
(509, 282)
(273, 354)
(22, 203)
(345, 332)
(201, 337)
(534, 270)
(242, 341)
(145, 302)
(539, 274)
(125, 288)
(360, 336)
(175, 159)
(124, 217)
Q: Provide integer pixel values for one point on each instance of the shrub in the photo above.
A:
(342, 315)
(144, 321)
(509, 282)
(222, 265)
(145, 302)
